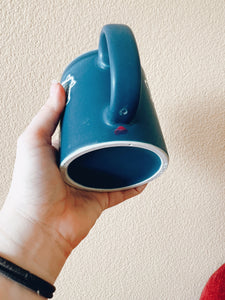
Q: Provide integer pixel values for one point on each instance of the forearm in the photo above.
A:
(32, 247)
(10, 290)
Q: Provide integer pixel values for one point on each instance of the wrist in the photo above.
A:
(31, 245)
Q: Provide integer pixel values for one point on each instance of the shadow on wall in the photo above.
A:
(198, 139)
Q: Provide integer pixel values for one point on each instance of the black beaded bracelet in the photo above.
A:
(27, 279)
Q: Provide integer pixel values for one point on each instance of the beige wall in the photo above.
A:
(165, 243)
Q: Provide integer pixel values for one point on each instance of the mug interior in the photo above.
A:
(114, 167)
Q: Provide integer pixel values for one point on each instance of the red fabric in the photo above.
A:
(215, 287)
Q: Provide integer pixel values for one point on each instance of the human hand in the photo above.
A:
(43, 218)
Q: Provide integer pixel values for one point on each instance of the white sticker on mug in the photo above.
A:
(68, 83)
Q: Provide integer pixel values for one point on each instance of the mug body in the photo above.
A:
(110, 134)
(99, 155)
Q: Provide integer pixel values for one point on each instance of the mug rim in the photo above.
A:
(86, 149)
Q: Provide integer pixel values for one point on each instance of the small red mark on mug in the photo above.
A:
(120, 130)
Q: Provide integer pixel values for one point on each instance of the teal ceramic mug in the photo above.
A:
(110, 134)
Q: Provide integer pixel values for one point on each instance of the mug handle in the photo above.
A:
(118, 51)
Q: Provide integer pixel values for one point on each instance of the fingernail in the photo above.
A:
(140, 188)
(53, 85)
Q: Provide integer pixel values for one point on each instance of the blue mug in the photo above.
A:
(110, 134)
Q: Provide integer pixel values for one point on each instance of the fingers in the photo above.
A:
(115, 198)
(45, 122)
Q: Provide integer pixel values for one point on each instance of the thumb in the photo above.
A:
(45, 122)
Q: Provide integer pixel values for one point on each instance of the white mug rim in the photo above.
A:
(86, 149)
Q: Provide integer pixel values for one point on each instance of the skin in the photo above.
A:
(43, 219)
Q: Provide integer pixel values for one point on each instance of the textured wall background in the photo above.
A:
(165, 243)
